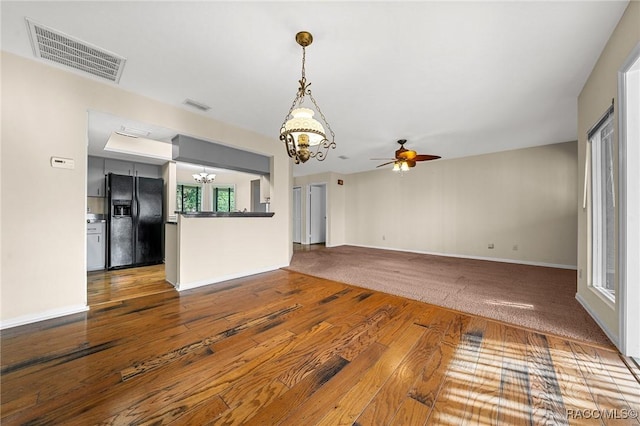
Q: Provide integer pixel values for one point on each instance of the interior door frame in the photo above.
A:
(307, 235)
(293, 216)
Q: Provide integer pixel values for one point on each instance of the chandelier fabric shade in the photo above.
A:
(303, 135)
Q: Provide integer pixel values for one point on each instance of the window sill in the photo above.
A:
(605, 295)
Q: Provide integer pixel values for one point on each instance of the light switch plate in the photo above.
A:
(63, 163)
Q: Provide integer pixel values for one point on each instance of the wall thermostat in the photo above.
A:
(62, 163)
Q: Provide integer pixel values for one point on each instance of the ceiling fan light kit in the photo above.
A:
(400, 166)
(300, 131)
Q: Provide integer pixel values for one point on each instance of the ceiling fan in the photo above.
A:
(405, 158)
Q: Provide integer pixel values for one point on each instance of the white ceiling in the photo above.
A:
(454, 78)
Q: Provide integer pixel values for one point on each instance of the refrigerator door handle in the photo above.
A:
(136, 217)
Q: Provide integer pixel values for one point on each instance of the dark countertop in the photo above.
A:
(226, 214)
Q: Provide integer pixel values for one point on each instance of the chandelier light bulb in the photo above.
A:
(203, 177)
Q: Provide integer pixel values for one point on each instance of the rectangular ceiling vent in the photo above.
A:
(58, 47)
(196, 104)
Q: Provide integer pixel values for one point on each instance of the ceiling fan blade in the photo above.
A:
(423, 157)
(386, 164)
(383, 159)
(408, 156)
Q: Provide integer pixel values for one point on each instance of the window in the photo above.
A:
(224, 199)
(603, 261)
(189, 198)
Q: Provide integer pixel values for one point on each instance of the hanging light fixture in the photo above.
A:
(203, 177)
(301, 133)
(400, 166)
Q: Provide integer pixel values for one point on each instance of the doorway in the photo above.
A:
(256, 205)
(297, 215)
(317, 213)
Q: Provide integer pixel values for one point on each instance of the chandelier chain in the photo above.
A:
(303, 80)
(293, 105)
(303, 125)
(321, 114)
(304, 55)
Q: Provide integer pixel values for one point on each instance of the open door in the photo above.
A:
(317, 213)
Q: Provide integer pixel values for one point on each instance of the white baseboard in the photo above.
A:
(200, 283)
(41, 316)
(464, 256)
(591, 312)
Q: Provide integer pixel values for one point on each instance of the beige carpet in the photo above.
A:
(534, 297)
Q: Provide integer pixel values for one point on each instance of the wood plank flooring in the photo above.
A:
(123, 284)
(290, 349)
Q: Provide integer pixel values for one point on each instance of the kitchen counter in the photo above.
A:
(204, 248)
(225, 214)
(96, 217)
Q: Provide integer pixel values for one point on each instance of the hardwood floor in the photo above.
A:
(286, 348)
(122, 284)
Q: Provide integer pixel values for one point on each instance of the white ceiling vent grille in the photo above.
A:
(196, 104)
(58, 47)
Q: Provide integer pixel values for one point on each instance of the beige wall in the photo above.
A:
(44, 114)
(336, 204)
(601, 87)
(209, 249)
(458, 207)
(96, 205)
(169, 173)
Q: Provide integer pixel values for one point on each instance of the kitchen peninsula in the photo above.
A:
(203, 248)
(226, 214)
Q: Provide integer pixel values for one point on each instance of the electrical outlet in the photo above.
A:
(490, 245)
(580, 273)
(515, 247)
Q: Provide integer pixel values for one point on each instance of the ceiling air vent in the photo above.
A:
(58, 47)
(196, 104)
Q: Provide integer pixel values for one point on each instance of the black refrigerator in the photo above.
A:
(134, 221)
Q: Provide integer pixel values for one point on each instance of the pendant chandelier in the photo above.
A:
(304, 137)
(203, 177)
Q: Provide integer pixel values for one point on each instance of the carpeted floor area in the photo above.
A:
(534, 297)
